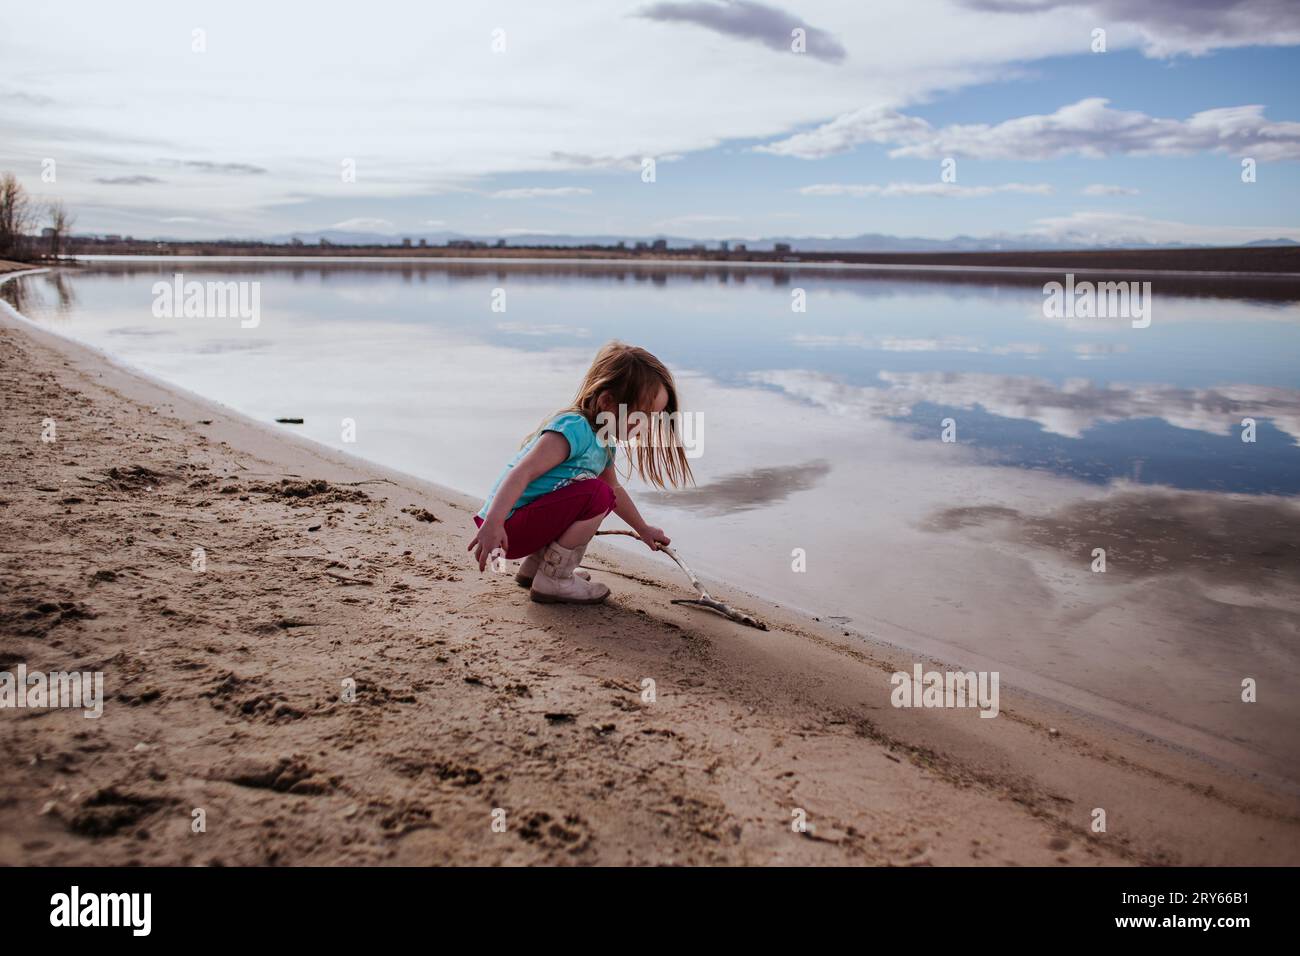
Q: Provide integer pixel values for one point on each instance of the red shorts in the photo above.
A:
(540, 522)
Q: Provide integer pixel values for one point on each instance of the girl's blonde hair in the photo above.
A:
(632, 376)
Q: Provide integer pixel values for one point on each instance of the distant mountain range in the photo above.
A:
(867, 242)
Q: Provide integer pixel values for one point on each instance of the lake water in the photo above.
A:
(823, 446)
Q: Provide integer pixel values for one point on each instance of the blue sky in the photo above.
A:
(451, 131)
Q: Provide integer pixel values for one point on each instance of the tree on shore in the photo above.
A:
(16, 217)
(61, 222)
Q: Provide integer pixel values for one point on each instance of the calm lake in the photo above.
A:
(824, 478)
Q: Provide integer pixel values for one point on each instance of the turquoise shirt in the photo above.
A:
(587, 459)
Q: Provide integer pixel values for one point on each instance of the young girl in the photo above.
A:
(556, 491)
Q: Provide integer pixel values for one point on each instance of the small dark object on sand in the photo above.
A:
(289, 421)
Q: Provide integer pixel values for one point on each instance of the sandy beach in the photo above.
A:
(230, 689)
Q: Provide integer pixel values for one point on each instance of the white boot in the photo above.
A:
(555, 582)
(528, 570)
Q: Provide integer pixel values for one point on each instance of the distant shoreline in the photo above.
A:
(1262, 261)
(1223, 284)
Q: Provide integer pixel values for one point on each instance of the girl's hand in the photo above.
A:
(490, 537)
(654, 537)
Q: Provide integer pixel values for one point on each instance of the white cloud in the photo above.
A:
(1092, 351)
(894, 343)
(1170, 27)
(693, 220)
(867, 125)
(1089, 128)
(861, 191)
(543, 330)
(364, 224)
(540, 192)
(1102, 189)
(1069, 408)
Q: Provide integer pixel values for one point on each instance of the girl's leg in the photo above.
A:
(562, 523)
(576, 535)
(580, 532)
(573, 513)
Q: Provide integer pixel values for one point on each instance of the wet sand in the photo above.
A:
(224, 686)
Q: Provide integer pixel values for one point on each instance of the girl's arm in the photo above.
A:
(626, 509)
(550, 450)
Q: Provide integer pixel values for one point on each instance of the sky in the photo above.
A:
(919, 118)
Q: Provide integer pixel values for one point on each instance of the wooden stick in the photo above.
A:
(704, 600)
